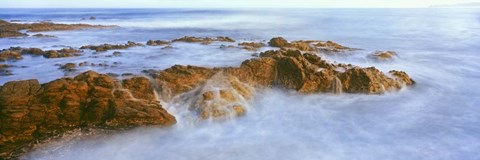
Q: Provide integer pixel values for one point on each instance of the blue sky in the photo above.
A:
(226, 3)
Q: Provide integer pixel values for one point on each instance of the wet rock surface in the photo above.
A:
(32, 111)
(251, 46)
(157, 42)
(308, 45)
(383, 55)
(8, 29)
(203, 40)
(15, 53)
(106, 47)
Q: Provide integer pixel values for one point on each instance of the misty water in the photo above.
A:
(438, 118)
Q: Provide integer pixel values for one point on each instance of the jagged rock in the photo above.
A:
(30, 111)
(289, 69)
(402, 77)
(220, 97)
(251, 46)
(157, 42)
(383, 55)
(203, 40)
(179, 79)
(93, 18)
(106, 47)
(311, 45)
(8, 29)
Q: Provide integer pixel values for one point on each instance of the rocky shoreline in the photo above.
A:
(30, 111)
(8, 29)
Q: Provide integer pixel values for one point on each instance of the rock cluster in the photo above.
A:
(310, 45)
(106, 47)
(203, 40)
(30, 111)
(8, 29)
(15, 53)
(289, 69)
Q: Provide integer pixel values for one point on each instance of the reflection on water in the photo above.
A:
(436, 119)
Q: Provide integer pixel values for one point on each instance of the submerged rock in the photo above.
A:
(69, 67)
(43, 36)
(8, 29)
(30, 111)
(383, 55)
(106, 47)
(4, 71)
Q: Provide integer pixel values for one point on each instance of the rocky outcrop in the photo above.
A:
(309, 45)
(221, 97)
(15, 53)
(251, 46)
(30, 111)
(106, 47)
(383, 55)
(8, 29)
(157, 42)
(10, 54)
(203, 40)
(289, 69)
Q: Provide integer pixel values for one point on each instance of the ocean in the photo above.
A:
(438, 118)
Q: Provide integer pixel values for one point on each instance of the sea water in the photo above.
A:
(435, 119)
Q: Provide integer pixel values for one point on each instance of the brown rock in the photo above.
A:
(69, 67)
(10, 54)
(251, 46)
(221, 97)
(30, 111)
(8, 29)
(106, 47)
(157, 42)
(383, 55)
(278, 42)
(203, 40)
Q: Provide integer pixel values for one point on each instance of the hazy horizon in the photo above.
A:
(232, 4)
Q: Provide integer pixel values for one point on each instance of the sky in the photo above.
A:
(227, 3)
